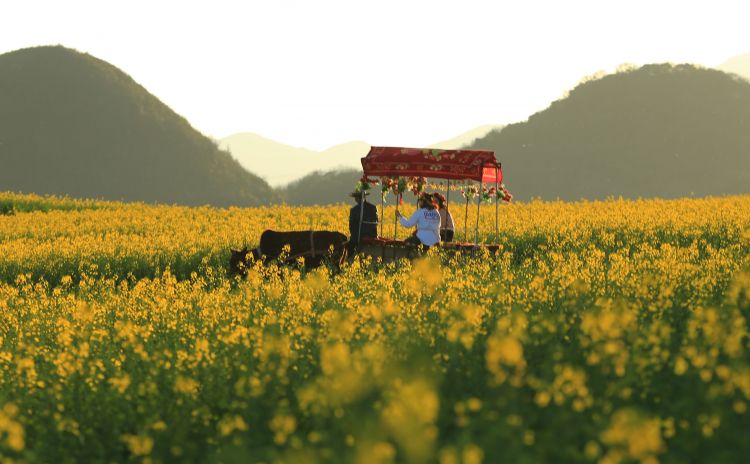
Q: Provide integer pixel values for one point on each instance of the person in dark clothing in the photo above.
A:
(369, 220)
(446, 218)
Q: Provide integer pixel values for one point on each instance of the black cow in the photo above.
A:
(315, 246)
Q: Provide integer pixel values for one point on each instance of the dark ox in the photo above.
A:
(316, 247)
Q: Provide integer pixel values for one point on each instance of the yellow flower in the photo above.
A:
(139, 445)
(228, 424)
(120, 383)
(186, 386)
(634, 434)
(680, 366)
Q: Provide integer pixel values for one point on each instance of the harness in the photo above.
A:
(312, 253)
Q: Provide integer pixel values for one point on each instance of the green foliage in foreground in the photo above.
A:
(601, 332)
(482, 360)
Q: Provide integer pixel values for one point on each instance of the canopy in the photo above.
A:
(478, 165)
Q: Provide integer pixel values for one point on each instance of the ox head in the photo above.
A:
(241, 259)
(237, 261)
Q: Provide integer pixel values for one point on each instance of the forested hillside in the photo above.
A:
(658, 131)
(71, 124)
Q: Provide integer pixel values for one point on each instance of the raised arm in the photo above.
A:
(411, 222)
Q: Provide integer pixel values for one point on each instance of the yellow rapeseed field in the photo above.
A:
(612, 331)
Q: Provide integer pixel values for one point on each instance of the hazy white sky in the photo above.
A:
(409, 73)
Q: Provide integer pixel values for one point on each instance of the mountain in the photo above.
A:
(467, 138)
(739, 65)
(661, 130)
(322, 188)
(280, 164)
(72, 124)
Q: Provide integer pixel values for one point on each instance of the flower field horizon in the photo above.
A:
(609, 331)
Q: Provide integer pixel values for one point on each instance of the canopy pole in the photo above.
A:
(497, 205)
(361, 216)
(466, 219)
(447, 200)
(479, 203)
(395, 221)
(382, 211)
(448, 195)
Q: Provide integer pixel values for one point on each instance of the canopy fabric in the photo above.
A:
(478, 165)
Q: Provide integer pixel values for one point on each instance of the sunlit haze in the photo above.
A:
(316, 74)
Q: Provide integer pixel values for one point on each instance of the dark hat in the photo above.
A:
(356, 194)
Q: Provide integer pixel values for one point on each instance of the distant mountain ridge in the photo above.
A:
(739, 65)
(466, 138)
(281, 164)
(72, 124)
(657, 131)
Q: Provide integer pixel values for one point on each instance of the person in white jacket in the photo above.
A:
(427, 220)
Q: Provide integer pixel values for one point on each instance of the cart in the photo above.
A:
(391, 166)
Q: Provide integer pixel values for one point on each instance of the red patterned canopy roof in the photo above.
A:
(479, 165)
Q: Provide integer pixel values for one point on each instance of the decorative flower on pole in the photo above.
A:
(386, 184)
(470, 193)
(503, 194)
(399, 187)
(416, 185)
(488, 194)
(363, 185)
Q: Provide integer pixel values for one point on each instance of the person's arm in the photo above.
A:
(411, 222)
